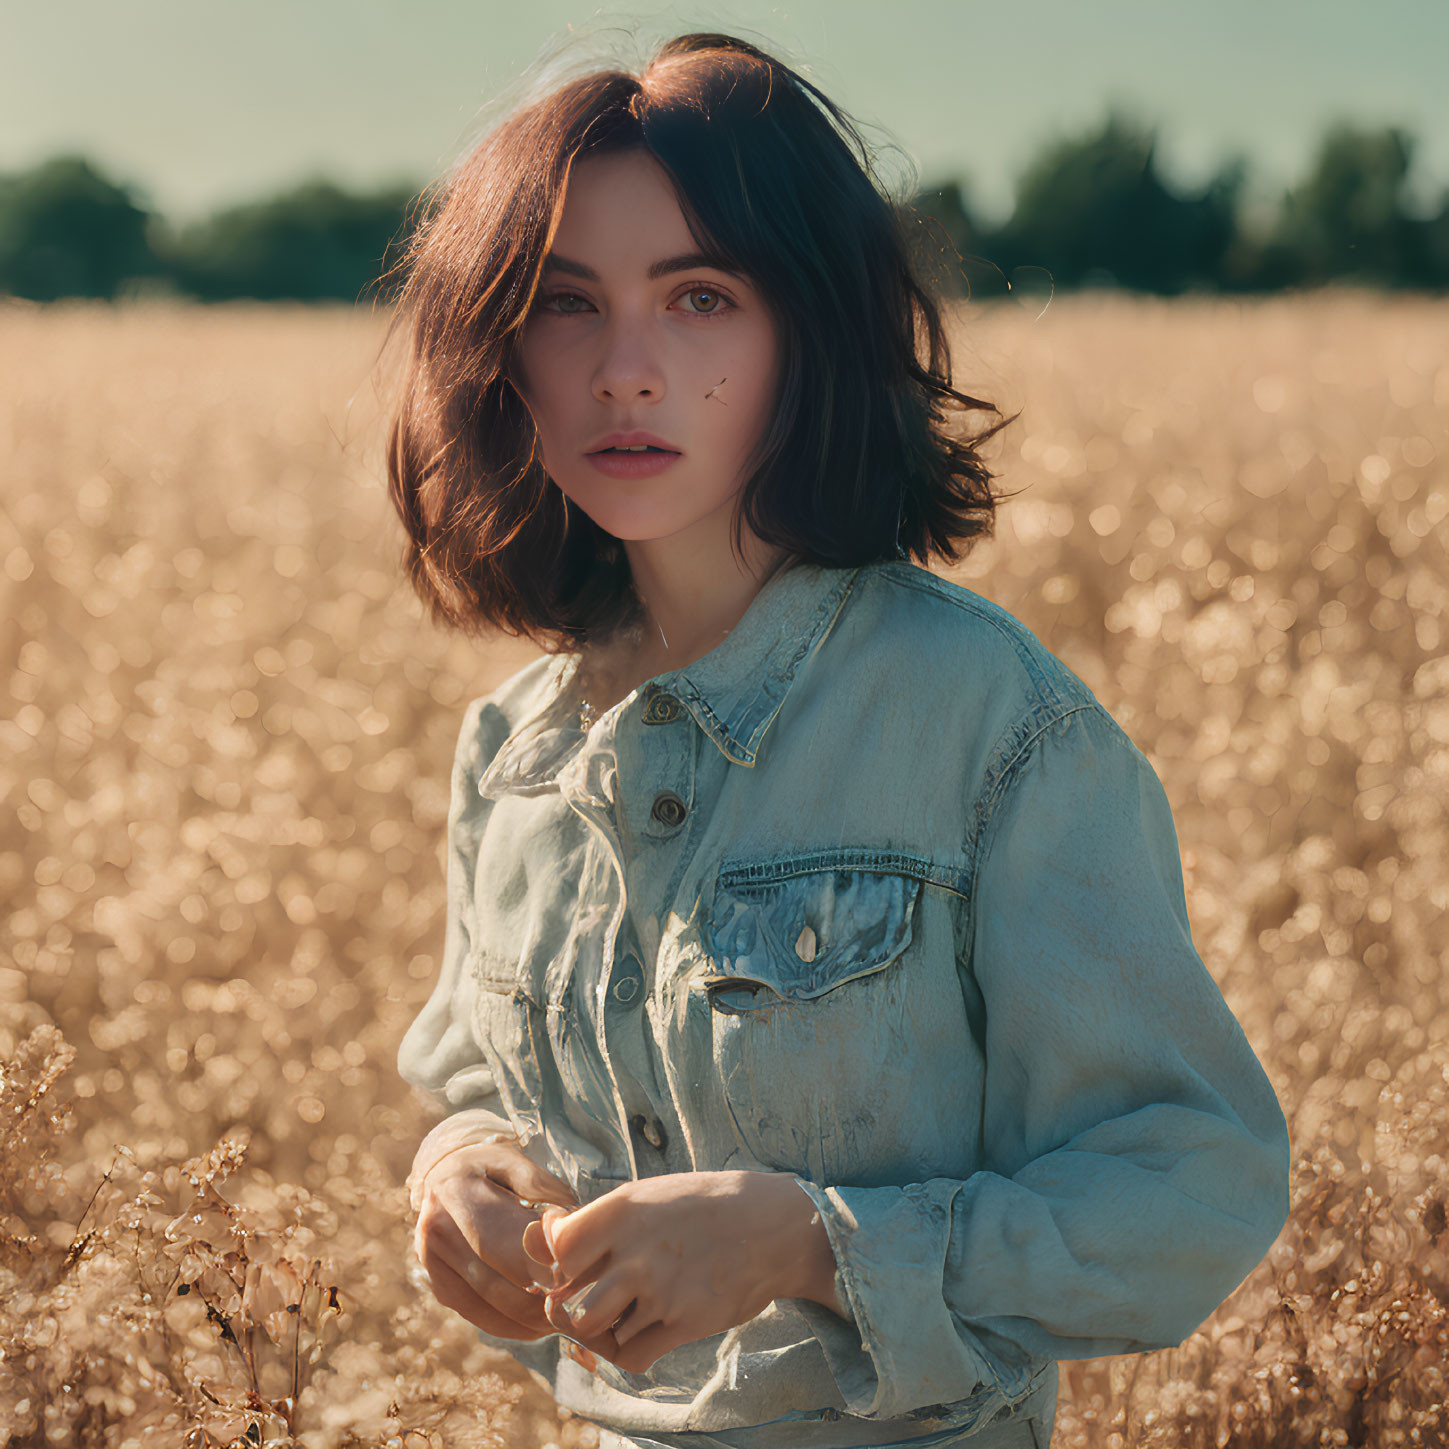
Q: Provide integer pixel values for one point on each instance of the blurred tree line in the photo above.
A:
(1095, 211)
(1092, 211)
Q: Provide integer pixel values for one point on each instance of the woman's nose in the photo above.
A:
(629, 368)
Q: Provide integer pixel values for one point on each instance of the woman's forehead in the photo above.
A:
(619, 183)
(621, 212)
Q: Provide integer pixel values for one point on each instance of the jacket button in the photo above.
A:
(628, 978)
(669, 809)
(651, 1130)
(661, 709)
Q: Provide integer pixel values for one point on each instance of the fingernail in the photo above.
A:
(581, 1356)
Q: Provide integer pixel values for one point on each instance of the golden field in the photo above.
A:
(224, 746)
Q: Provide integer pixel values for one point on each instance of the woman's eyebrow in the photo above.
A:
(685, 262)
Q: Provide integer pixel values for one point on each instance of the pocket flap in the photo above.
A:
(796, 939)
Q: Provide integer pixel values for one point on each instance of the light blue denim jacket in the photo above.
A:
(877, 894)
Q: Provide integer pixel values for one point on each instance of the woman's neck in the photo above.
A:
(690, 603)
(686, 609)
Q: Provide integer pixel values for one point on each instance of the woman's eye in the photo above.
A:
(562, 297)
(714, 301)
(703, 302)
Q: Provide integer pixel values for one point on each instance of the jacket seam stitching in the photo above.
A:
(979, 845)
(932, 585)
(859, 858)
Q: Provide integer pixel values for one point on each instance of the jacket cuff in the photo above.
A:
(842, 1302)
(896, 1355)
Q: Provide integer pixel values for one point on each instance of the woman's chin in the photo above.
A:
(640, 520)
(631, 528)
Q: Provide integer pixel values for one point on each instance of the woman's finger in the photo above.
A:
(527, 1180)
(482, 1218)
(601, 1344)
(631, 1323)
(646, 1345)
(495, 1290)
(548, 1221)
(578, 1240)
(592, 1309)
(555, 1312)
(582, 1356)
(453, 1292)
(445, 1240)
(536, 1247)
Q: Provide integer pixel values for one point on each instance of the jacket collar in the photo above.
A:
(733, 692)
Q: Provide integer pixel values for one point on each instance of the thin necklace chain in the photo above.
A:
(633, 634)
(587, 712)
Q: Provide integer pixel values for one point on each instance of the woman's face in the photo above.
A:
(630, 335)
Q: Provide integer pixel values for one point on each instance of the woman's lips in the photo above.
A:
(631, 465)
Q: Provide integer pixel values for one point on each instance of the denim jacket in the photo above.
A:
(877, 894)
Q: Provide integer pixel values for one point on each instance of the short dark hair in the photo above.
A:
(775, 181)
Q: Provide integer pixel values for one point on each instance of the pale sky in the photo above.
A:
(197, 104)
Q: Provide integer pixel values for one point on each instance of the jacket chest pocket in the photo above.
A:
(811, 1009)
(795, 940)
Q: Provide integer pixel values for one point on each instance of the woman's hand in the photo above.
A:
(661, 1262)
(469, 1236)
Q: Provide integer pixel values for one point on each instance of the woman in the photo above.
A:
(825, 1050)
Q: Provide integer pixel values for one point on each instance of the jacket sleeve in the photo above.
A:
(439, 1053)
(1136, 1158)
